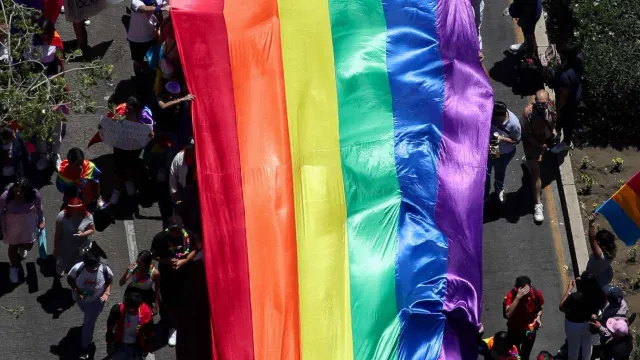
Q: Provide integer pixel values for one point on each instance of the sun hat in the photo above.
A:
(173, 87)
(618, 326)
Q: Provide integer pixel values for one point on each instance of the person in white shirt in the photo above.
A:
(505, 134)
(91, 284)
(143, 28)
(183, 184)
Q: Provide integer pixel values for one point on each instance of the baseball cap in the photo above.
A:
(191, 143)
(618, 326)
(615, 294)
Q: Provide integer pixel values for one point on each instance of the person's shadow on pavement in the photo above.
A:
(56, 300)
(68, 348)
(520, 203)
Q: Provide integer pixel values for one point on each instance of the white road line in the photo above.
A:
(132, 246)
(130, 231)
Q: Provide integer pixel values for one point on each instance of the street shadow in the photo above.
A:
(68, 348)
(56, 300)
(515, 72)
(47, 266)
(5, 285)
(123, 90)
(31, 277)
(520, 203)
(94, 52)
(194, 329)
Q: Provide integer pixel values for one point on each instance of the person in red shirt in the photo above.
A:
(522, 308)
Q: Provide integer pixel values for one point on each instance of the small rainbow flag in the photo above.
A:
(622, 211)
(341, 151)
(69, 178)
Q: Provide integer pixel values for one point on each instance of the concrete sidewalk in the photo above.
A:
(513, 244)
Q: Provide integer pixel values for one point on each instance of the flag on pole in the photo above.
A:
(622, 211)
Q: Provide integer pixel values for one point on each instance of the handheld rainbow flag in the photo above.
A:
(69, 178)
(622, 211)
(341, 153)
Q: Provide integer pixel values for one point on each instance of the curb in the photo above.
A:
(566, 183)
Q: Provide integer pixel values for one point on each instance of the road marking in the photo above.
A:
(130, 231)
(132, 246)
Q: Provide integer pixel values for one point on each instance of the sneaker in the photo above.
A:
(23, 253)
(561, 147)
(501, 196)
(517, 47)
(84, 354)
(62, 9)
(87, 22)
(172, 337)
(131, 189)
(538, 216)
(115, 197)
(14, 275)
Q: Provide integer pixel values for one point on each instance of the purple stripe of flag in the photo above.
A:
(461, 173)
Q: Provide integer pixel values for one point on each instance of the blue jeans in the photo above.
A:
(127, 352)
(91, 310)
(500, 165)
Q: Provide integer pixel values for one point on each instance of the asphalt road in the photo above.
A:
(48, 327)
(513, 244)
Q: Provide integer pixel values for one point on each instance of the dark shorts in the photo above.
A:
(139, 50)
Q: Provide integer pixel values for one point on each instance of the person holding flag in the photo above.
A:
(79, 177)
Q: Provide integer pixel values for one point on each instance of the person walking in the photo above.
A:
(183, 184)
(505, 133)
(74, 225)
(79, 177)
(21, 217)
(568, 89)
(522, 307)
(538, 122)
(145, 280)
(142, 32)
(15, 157)
(130, 328)
(578, 308)
(527, 13)
(175, 249)
(498, 347)
(90, 282)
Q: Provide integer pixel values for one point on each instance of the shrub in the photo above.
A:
(608, 31)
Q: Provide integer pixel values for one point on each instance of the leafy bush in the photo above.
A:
(608, 31)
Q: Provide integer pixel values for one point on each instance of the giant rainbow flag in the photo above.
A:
(342, 149)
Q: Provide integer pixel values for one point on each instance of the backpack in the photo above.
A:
(105, 273)
(514, 292)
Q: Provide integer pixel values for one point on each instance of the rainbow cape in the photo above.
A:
(70, 179)
(341, 149)
(622, 211)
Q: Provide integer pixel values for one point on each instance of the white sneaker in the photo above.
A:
(87, 22)
(23, 253)
(501, 196)
(172, 337)
(517, 47)
(561, 147)
(131, 189)
(62, 9)
(115, 197)
(14, 276)
(538, 215)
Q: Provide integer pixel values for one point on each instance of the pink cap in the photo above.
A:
(618, 326)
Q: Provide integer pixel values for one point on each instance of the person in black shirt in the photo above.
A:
(578, 308)
(568, 89)
(174, 249)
